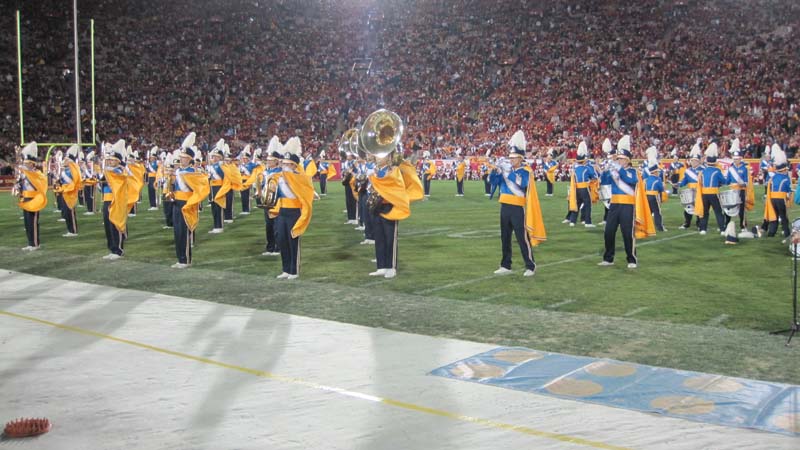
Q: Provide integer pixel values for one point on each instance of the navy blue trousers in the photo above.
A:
(512, 220)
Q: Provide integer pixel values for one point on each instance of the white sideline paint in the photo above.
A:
(635, 311)
(539, 266)
(560, 304)
(717, 321)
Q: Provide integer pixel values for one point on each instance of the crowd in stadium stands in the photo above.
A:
(462, 74)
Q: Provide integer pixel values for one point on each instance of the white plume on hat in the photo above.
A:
(778, 155)
(73, 150)
(90, 155)
(426, 154)
(153, 151)
(458, 152)
(246, 151)
(624, 143)
(712, 151)
(274, 145)
(176, 157)
(119, 147)
(220, 144)
(322, 154)
(257, 152)
(767, 151)
(226, 150)
(293, 146)
(518, 140)
(652, 156)
(31, 150)
(696, 153)
(735, 145)
(488, 153)
(607, 147)
(583, 150)
(188, 142)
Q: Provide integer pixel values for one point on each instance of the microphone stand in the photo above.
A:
(795, 326)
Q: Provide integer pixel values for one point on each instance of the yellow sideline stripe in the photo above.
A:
(298, 381)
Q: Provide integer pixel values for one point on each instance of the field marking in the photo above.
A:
(310, 384)
(564, 261)
(717, 321)
(635, 311)
(489, 297)
(560, 304)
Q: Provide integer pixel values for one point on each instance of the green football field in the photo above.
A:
(693, 303)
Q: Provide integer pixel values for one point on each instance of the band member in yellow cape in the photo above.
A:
(232, 173)
(393, 190)
(31, 188)
(549, 166)
(629, 210)
(190, 189)
(250, 171)
(461, 170)
(326, 171)
(69, 187)
(779, 190)
(115, 200)
(295, 200)
(654, 184)
(580, 198)
(520, 211)
(711, 178)
(89, 178)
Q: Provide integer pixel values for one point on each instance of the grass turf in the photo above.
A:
(693, 303)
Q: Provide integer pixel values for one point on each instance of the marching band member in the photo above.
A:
(461, 169)
(31, 189)
(54, 173)
(676, 170)
(549, 166)
(739, 178)
(778, 193)
(246, 169)
(654, 185)
(236, 183)
(690, 177)
(605, 175)
(629, 210)
(152, 170)
(295, 201)
(326, 170)
(220, 186)
(273, 169)
(579, 196)
(190, 189)
(115, 200)
(486, 171)
(765, 165)
(367, 220)
(428, 171)
(395, 187)
(348, 181)
(171, 162)
(88, 174)
(361, 193)
(69, 185)
(310, 166)
(707, 197)
(520, 211)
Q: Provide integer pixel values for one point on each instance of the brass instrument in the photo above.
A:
(19, 183)
(380, 136)
(269, 196)
(381, 133)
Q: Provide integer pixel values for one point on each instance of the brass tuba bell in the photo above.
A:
(345, 142)
(381, 133)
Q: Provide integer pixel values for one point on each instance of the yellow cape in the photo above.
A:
(253, 176)
(551, 174)
(331, 170)
(460, 171)
(135, 183)
(70, 191)
(573, 194)
(198, 183)
(644, 226)
(392, 189)
(229, 172)
(303, 189)
(39, 199)
(699, 209)
(534, 223)
(311, 169)
(118, 210)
